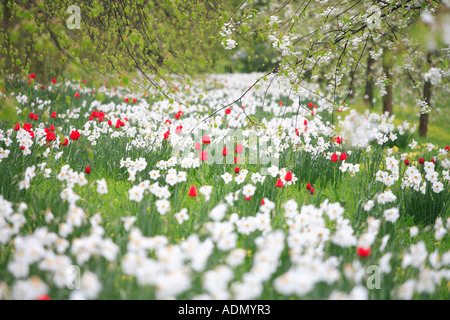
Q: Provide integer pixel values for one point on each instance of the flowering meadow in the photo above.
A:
(111, 193)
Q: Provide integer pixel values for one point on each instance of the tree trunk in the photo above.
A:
(6, 29)
(423, 126)
(387, 67)
(368, 92)
(351, 93)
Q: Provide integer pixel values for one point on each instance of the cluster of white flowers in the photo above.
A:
(381, 83)
(226, 32)
(229, 44)
(434, 76)
(167, 271)
(360, 130)
(265, 263)
(424, 107)
(392, 175)
(71, 177)
(133, 166)
(10, 222)
(413, 178)
(284, 44)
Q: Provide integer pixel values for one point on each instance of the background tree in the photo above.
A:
(300, 40)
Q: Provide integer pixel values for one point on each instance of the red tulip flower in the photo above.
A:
(238, 148)
(166, 135)
(237, 159)
(334, 158)
(279, 183)
(236, 170)
(288, 176)
(263, 202)
(203, 155)
(32, 76)
(447, 148)
(311, 191)
(120, 123)
(432, 160)
(310, 105)
(338, 140)
(87, 170)
(198, 146)
(224, 151)
(206, 139)
(75, 135)
(248, 198)
(363, 252)
(421, 160)
(36, 117)
(192, 192)
(77, 95)
(134, 100)
(65, 142)
(407, 162)
(31, 115)
(228, 110)
(50, 136)
(343, 156)
(53, 80)
(308, 186)
(178, 129)
(53, 115)
(17, 127)
(52, 128)
(305, 122)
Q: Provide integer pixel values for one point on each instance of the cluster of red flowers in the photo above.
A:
(97, 114)
(31, 76)
(178, 114)
(342, 157)
(311, 106)
(309, 188)
(119, 123)
(338, 139)
(51, 136)
(33, 116)
(134, 100)
(203, 155)
(27, 127)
